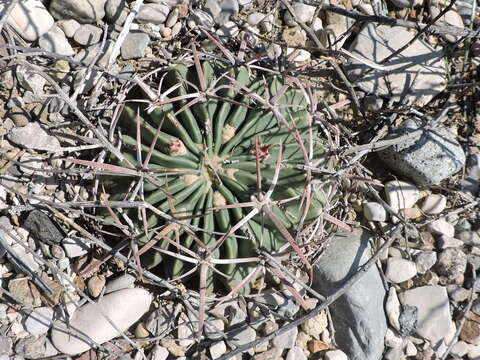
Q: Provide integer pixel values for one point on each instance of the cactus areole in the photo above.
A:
(212, 141)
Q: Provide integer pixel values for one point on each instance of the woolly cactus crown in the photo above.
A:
(220, 141)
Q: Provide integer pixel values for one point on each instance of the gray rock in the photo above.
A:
(296, 353)
(88, 35)
(5, 345)
(358, 316)
(32, 136)
(89, 54)
(400, 270)
(242, 336)
(434, 322)
(56, 42)
(406, 3)
(69, 27)
(172, 18)
(84, 11)
(419, 66)
(303, 13)
(469, 238)
(374, 211)
(39, 321)
(221, 10)
(451, 263)
(286, 340)
(153, 14)
(428, 157)
(425, 260)
(27, 259)
(160, 321)
(121, 282)
(114, 10)
(42, 228)
(75, 246)
(134, 45)
(31, 347)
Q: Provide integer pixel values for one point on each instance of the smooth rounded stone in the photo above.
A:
(286, 340)
(469, 237)
(221, 10)
(88, 35)
(256, 18)
(303, 12)
(296, 353)
(217, 349)
(425, 260)
(336, 355)
(316, 325)
(449, 242)
(401, 195)
(451, 263)
(393, 340)
(243, 335)
(135, 45)
(374, 211)
(441, 227)
(428, 156)
(473, 351)
(30, 19)
(392, 308)
(41, 227)
(434, 322)
(172, 18)
(114, 10)
(406, 3)
(121, 282)
(372, 103)
(69, 27)
(434, 204)
(89, 320)
(400, 270)
(451, 17)
(75, 246)
(358, 316)
(39, 321)
(153, 14)
(56, 42)
(460, 349)
(95, 285)
(418, 66)
(84, 11)
(457, 293)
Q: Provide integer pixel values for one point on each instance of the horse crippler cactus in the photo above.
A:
(213, 142)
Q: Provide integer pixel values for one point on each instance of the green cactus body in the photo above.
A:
(211, 144)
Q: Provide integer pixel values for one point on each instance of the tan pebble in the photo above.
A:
(411, 213)
(315, 346)
(141, 332)
(95, 285)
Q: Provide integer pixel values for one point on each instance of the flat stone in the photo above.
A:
(418, 66)
(392, 308)
(434, 321)
(425, 260)
(42, 228)
(27, 258)
(5, 346)
(39, 321)
(89, 320)
(84, 11)
(121, 282)
(153, 14)
(88, 35)
(114, 10)
(243, 335)
(401, 195)
(69, 27)
(218, 349)
(55, 41)
(75, 246)
(159, 353)
(30, 19)
(296, 353)
(335, 355)
(451, 263)
(89, 54)
(286, 340)
(441, 227)
(358, 316)
(434, 204)
(374, 211)
(400, 270)
(460, 349)
(448, 242)
(457, 293)
(428, 156)
(135, 45)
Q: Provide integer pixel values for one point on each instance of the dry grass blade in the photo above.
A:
(113, 168)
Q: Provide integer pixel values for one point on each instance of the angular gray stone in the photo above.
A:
(84, 11)
(153, 14)
(358, 316)
(134, 45)
(221, 10)
(39, 321)
(121, 282)
(428, 156)
(42, 228)
(32, 136)
(55, 41)
(114, 9)
(88, 35)
(418, 66)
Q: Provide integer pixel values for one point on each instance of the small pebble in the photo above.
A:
(335, 355)
(401, 195)
(218, 349)
(400, 270)
(95, 285)
(374, 211)
(286, 340)
(141, 332)
(434, 204)
(441, 227)
(449, 242)
(392, 308)
(425, 260)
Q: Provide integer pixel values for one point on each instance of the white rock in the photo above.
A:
(460, 349)
(395, 353)
(185, 333)
(29, 18)
(425, 260)
(335, 355)
(401, 195)
(434, 322)
(75, 246)
(27, 258)
(374, 211)
(32, 136)
(3, 198)
(392, 308)
(286, 340)
(302, 55)
(296, 353)
(449, 242)
(473, 351)
(316, 325)
(90, 321)
(153, 13)
(39, 321)
(159, 353)
(55, 41)
(434, 204)
(451, 18)
(303, 12)
(255, 18)
(218, 349)
(400, 270)
(121, 282)
(410, 349)
(441, 227)
(392, 340)
(69, 27)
